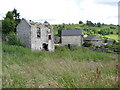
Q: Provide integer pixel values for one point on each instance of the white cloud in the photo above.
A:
(99, 12)
(63, 11)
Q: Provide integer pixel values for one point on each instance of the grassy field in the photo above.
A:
(79, 67)
(115, 37)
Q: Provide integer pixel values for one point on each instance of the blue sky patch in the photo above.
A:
(109, 3)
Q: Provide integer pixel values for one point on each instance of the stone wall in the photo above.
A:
(37, 42)
(77, 40)
(97, 43)
(24, 33)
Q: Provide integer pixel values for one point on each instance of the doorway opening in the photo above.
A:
(45, 46)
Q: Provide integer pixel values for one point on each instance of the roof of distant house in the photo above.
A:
(92, 37)
(71, 32)
(110, 42)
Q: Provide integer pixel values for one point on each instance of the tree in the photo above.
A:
(103, 24)
(59, 32)
(16, 16)
(10, 21)
(9, 15)
(89, 23)
(60, 27)
(8, 24)
(99, 24)
(80, 22)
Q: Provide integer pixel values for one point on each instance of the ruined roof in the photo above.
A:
(71, 32)
(35, 23)
(46, 24)
(92, 37)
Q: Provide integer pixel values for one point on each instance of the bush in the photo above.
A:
(99, 24)
(112, 28)
(105, 41)
(87, 44)
(73, 47)
(13, 40)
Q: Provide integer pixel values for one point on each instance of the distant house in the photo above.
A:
(109, 42)
(94, 39)
(71, 37)
(36, 36)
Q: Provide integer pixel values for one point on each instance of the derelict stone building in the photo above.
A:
(36, 36)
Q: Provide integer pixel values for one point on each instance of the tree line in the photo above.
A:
(10, 21)
(9, 24)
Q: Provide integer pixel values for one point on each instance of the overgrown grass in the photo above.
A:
(78, 67)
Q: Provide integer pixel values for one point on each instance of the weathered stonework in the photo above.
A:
(76, 40)
(94, 39)
(74, 37)
(35, 35)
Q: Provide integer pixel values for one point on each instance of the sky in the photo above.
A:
(64, 11)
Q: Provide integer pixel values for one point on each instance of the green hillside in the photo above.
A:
(109, 31)
(64, 68)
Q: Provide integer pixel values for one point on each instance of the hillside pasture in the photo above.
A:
(115, 37)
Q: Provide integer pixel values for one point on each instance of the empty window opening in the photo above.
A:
(49, 37)
(45, 46)
(38, 33)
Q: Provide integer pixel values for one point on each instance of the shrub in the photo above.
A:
(73, 47)
(13, 40)
(112, 28)
(105, 41)
(87, 44)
